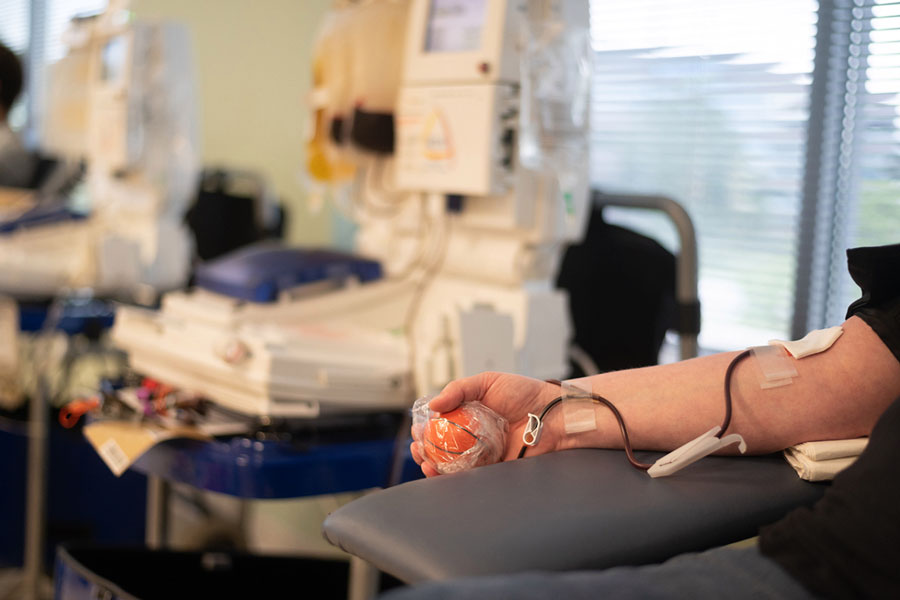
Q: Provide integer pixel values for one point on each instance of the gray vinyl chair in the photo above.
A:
(571, 510)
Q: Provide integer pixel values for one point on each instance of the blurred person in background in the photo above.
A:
(16, 163)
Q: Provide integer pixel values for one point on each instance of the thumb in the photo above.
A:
(469, 389)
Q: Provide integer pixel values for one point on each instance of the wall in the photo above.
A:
(252, 62)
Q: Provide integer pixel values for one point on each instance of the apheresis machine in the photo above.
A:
(454, 132)
(122, 101)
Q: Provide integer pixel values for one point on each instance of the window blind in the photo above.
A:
(59, 13)
(707, 101)
(854, 188)
(14, 24)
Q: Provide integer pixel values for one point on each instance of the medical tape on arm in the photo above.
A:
(815, 341)
(775, 365)
(776, 361)
(579, 409)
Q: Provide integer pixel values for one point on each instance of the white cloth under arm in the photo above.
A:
(832, 448)
(817, 470)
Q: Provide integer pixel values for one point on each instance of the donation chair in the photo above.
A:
(577, 509)
(570, 510)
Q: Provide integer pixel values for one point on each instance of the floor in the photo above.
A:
(11, 585)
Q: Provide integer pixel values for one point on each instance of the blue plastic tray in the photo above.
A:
(40, 215)
(76, 317)
(259, 273)
(249, 468)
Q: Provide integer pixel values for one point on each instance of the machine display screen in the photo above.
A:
(113, 60)
(454, 25)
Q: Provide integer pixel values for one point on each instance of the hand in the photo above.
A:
(512, 397)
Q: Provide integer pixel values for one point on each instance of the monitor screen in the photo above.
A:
(454, 25)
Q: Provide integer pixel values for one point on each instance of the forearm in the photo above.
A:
(839, 393)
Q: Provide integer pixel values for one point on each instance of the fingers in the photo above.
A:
(469, 389)
(414, 450)
(427, 468)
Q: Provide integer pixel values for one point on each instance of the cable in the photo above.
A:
(429, 273)
(597, 399)
(728, 372)
(626, 442)
(426, 229)
(376, 199)
(629, 453)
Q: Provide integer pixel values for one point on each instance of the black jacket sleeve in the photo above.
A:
(848, 544)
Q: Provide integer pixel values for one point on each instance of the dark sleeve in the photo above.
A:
(877, 272)
(848, 544)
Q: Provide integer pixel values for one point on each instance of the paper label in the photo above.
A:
(120, 443)
(114, 457)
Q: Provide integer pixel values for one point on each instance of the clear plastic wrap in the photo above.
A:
(469, 436)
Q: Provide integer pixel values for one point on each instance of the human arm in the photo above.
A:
(838, 393)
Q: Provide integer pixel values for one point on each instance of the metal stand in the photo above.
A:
(36, 498)
(363, 580)
(157, 525)
(36, 495)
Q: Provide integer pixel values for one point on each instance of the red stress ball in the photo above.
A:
(469, 436)
(449, 435)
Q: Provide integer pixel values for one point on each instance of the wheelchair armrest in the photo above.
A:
(578, 509)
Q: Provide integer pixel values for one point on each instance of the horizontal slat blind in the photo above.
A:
(864, 101)
(59, 12)
(707, 101)
(14, 24)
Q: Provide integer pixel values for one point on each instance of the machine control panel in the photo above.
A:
(440, 138)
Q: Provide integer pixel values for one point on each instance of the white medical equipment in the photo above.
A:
(469, 236)
(123, 101)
